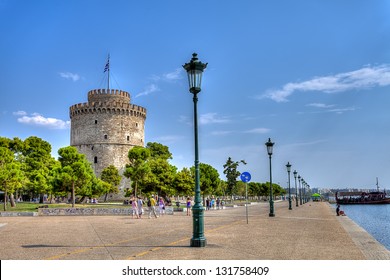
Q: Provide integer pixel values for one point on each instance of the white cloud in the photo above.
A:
(253, 131)
(174, 75)
(222, 132)
(212, 118)
(366, 77)
(168, 139)
(315, 142)
(341, 110)
(170, 76)
(167, 77)
(259, 130)
(185, 119)
(19, 113)
(320, 105)
(70, 76)
(328, 109)
(208, 118)
(39, 120)
(148, 90)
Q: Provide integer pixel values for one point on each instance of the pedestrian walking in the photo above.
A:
(188, 206)
(134, 207)
(212, 203)
(140, 204)
(161, 206)
(152, 205)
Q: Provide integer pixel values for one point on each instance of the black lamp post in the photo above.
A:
(303, 191)
(296, 190)
(300, 190)
(270, 145)
(288, 166)
(194, 70)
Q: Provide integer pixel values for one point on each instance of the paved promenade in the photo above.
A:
(309, 232)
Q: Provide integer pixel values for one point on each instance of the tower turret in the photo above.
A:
(106, 127)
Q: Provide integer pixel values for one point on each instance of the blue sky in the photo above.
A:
(312, 75)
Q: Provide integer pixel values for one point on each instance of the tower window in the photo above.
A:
(136, 124)
(95, 121)
(128, 138)
(105, 136)
(95, 160)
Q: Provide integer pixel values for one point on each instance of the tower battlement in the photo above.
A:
(107, 101)
(112, 92)
(106, 95)
(107, 107)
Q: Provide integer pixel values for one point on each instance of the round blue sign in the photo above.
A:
(245, 177)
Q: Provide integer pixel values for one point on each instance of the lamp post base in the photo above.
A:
(271, 209)
(198, 242)
(198, 239)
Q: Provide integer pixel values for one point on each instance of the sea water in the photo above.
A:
(375, 219)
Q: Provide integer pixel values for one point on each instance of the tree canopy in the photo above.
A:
(27, 167)
(231, 172)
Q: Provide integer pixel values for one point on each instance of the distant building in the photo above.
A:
(106, 127)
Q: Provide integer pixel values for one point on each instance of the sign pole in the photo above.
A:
(246, 177)
(246, 204)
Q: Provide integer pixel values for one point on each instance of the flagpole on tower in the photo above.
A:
(107, 69)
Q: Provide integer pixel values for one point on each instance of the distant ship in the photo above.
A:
(372, 197)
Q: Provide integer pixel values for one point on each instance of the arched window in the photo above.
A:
(95, 160)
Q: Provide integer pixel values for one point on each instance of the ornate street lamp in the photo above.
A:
(296, 190)
(288, 166)
(270, 145)
(194, 70)
(300, 190)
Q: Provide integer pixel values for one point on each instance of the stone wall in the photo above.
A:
(84, 211)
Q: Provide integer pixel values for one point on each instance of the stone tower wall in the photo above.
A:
(106, 127)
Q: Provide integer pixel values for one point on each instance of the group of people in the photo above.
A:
(137, 206)
(212, 203)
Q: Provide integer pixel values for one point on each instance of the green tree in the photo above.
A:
(76, 174)
(11, 175)
(16, 146)
(161, 174)
(158, 150)
(240, 189)
(277, 190)
(184, 182)
(209, 178)
(231, 172)
(161, 177)
(37, 163)
(138, 168)
(111, 176)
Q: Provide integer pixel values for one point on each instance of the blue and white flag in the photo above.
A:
(107, 67)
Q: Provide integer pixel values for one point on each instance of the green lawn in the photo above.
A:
(32, 207)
